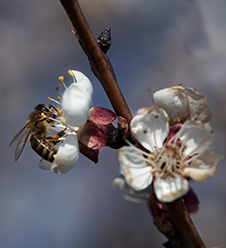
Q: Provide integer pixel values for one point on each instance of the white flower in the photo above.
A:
(76, 101)
(169, 157)
(183, 103)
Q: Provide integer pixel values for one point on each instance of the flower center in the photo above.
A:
(168, 160)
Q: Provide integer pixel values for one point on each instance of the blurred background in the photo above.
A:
(155, 44)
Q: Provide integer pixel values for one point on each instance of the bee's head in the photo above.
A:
(42, 109)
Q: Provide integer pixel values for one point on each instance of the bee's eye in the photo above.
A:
(43, 109)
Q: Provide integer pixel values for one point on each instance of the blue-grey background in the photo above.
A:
(155, 44)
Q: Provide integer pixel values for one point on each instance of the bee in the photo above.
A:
(36, 129)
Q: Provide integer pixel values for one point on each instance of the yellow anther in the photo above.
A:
(70, 73)
(54, 156)
(61, 79)
(59, 111)
(63, 121)
(41, 159)
(43, 115)
(57, 88)
(49, 98)
(59, 98)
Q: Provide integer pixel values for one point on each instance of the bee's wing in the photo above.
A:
(21, 137)
(21, 143)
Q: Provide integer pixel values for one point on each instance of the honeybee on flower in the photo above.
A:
(80, 122)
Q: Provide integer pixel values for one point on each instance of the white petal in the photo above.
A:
(169, 189)
(77, 100)
(82, 79)
(131, 195)
(142, 111)
(195, 137)
(45, 165)
(198, 105)
(203, 167)
(174, 101)
(135, 170)
(150, 128)
(67, 155)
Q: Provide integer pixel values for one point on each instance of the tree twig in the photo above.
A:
(188, 233)
(100, 63)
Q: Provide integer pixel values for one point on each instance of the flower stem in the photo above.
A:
(100, 63)
(188, 233)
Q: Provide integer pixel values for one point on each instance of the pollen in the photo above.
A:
(54, 156)
(130, 178)
(43, 115)
(61, 79)
(49, 98)
(59, 98)
(121, 150)
(70, 73)
(49, 129)
(59, 111)
(57, 88)
(55, 137)
(41, 159)
(63, 121)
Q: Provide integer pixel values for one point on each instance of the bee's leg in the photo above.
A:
(43, 119)
(55, 137)
(51, 106)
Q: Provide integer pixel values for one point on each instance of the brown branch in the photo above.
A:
(100, 63)
(189, 235)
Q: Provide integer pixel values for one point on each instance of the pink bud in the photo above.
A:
(101, 116)
(92, 136)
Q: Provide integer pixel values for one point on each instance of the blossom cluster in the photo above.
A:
(168, 147)
(173, 136)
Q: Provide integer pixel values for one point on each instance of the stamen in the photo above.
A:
(57, 88)
(61, 80)
(51, 99)
(70, 73)
(139, 150)
(151, 95)
(59, 111)
(63, 121)
(59, 98)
